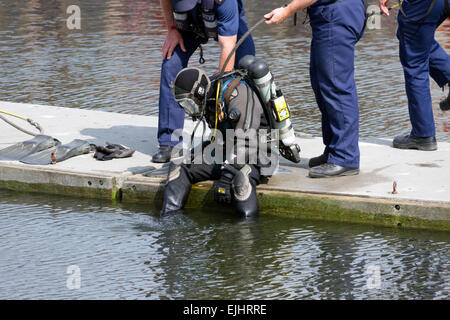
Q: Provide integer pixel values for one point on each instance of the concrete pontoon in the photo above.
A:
(422, 198)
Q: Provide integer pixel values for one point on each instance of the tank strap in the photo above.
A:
(229, 87)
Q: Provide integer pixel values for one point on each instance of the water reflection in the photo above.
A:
(113, 62)
(124, 251)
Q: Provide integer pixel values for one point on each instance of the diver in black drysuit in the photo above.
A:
(241, 109)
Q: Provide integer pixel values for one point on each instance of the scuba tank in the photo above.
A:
(274, 104)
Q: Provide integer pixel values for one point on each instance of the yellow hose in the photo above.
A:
(217, 102)
(30, 121)
(13, 115)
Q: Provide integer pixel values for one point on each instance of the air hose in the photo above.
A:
(30, 121)
(238, 44)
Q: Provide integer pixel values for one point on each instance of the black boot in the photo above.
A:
(244, 191)
(165, 154)
(176, 191)
(445, 104)
(330, 170)
(411, 142)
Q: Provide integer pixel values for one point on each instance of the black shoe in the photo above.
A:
(411, 142)
(445, 104)
(165, 154)
(330, 170)
(317, 161)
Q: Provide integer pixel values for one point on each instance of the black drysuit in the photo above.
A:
(236, 183)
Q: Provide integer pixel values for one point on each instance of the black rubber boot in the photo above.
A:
(411, 142)
(176, 191)
(249, 207)
(445, 104)
(165, 154)
(244, 191)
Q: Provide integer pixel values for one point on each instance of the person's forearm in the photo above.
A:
(226, 46)
(297, 5)
(167, 9)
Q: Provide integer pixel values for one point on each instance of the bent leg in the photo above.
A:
(439, 65)
(416, 42)
(179, 183)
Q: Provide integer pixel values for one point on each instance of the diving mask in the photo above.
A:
(190, 88)
(190, 107)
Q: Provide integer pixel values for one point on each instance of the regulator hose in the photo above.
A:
(238, 44)
(30, 121)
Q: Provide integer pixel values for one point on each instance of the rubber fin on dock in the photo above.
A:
(60, 153)
(24, 149)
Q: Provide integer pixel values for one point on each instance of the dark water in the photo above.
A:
(113, 62)
(124, 251)
(129, 252)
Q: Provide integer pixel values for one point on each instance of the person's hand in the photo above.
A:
(277, 15)
(173, 39)
(384, 6)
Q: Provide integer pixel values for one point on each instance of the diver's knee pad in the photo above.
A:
(177, 189)
(244, 193)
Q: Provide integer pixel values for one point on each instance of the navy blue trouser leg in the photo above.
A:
(422, 56)
(171, 116)
(336, 29)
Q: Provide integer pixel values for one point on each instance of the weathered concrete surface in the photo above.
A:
(422, 178)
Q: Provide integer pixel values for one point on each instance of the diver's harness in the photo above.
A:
(275, 108)
(255, 74)
(272, 100)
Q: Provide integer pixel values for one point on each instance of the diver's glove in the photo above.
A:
(112, 151)
(222, 188)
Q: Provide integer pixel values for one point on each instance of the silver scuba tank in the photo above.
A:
(275, 104)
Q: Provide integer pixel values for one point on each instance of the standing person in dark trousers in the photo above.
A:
(191, 23)
(337, 25)
(421, 56)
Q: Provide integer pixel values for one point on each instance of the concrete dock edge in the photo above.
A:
(423, 178)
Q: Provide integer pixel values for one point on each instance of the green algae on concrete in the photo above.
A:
(309, 206)
(49, 181)
(335, 209)
(57, 189)
(375, 211)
